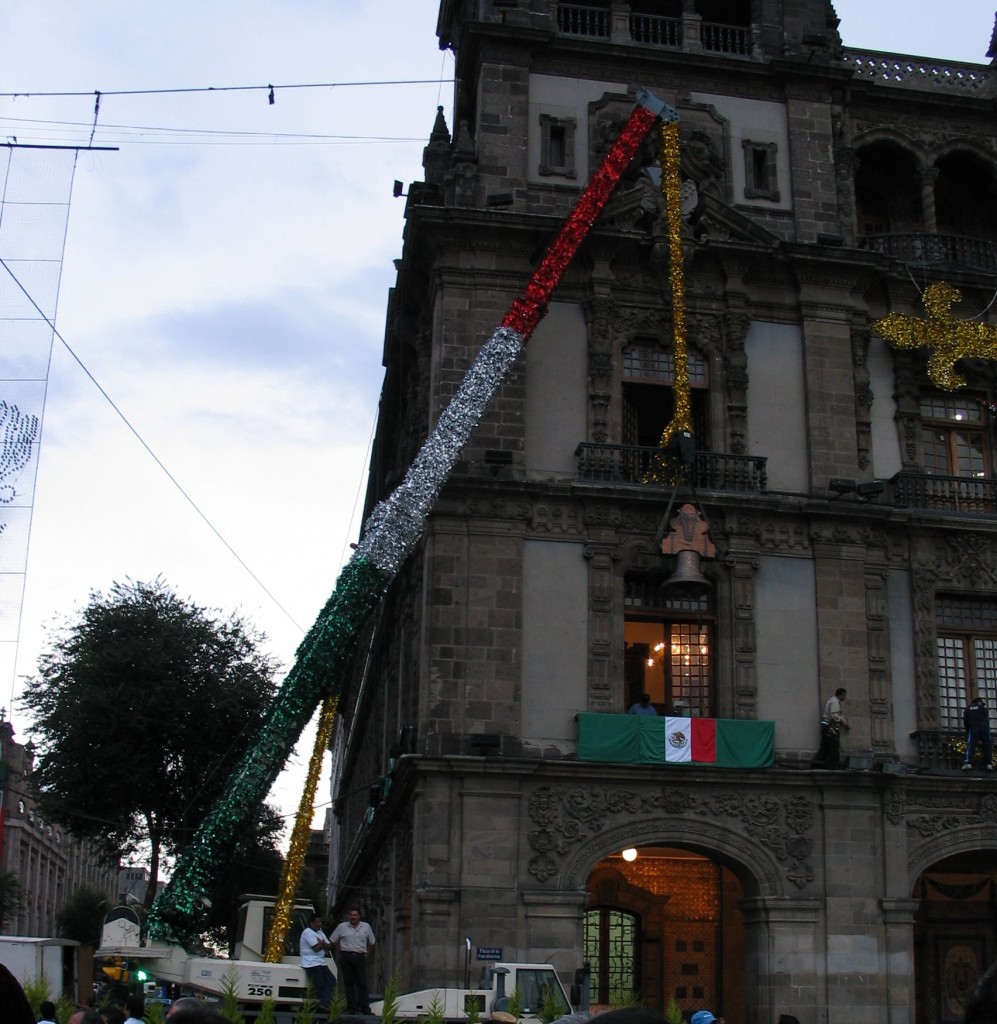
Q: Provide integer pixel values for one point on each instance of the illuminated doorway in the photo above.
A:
(666, 925)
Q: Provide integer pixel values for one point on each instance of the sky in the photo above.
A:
(224, 283)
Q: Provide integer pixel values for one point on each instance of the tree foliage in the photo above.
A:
(141, 705)
(81, 917)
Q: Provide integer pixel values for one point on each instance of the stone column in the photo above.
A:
(898, 918)
(780, 934)
(604, 635)
(927, 176)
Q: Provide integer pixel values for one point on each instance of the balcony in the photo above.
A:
(972, 495)
(921, 73)
(936, 250)
(712, 471)
(938, 749)
(654, 30)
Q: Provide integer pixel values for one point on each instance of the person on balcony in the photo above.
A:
(643, 706)
(832, 721)
(976, 718)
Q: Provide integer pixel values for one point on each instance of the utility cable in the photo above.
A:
(268, 89)
(149, 451)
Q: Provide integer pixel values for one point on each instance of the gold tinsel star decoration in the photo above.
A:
(947, 339)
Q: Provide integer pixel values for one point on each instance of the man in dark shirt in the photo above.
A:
(976, 718)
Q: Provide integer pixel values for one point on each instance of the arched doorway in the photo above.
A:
(955, 933)
(666, 925)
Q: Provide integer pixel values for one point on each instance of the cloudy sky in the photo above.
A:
(224, 282)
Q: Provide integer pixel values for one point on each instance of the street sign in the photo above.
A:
(489, 952)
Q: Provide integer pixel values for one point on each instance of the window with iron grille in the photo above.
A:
(966, 651)
(668, 649)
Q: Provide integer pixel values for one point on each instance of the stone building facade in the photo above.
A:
(849, 497)
(49, 863)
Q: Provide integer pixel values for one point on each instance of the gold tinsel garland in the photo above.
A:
(295, 860)
(671, 185)
(946, 339)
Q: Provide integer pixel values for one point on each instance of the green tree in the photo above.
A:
(140, 707)
(10, 897)
(81, 917)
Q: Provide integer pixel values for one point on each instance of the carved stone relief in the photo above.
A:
(566, 815)
(863, 397)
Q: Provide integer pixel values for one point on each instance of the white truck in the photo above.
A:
(29, 959)
(525, 988)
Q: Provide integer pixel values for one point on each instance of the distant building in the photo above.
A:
(488, 777)
(133, 881)
(49, 863)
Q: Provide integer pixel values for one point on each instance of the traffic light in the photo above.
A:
(142, 975)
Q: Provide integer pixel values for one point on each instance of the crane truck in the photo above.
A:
(532, 987)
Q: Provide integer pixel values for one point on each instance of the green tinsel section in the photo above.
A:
(320, 665)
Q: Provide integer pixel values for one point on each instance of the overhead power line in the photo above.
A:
(269, 88)
(141, 440)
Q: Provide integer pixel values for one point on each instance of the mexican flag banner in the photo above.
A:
(638, 739)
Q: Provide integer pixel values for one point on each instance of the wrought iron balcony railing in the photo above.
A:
(936, 250)
(938, 748)
(653, 30)
(627, 464)
(967, 494)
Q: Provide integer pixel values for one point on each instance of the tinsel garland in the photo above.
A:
(947, 339)
(390, 534)
(294, 862)
(322, 657)
(671, 186)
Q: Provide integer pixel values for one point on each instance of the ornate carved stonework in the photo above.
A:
(863, 397)
(877, 623)
(931, 816)
(566, 815)
(551, 518)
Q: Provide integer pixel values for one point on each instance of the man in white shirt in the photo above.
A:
(312, 947)
(352, 939)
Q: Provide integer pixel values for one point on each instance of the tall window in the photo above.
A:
(611, 938)
(953, 436)
(648, 396)
(668, 649)
(966, 645)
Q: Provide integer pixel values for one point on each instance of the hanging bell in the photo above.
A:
(687, 582)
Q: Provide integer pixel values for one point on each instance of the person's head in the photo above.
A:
(841, 693)
(91, 1017)
(134, 1007)
(17, 1009)
(315, 921)
(702, 1017)
(112, 1015)
(645, 699)
(47, 1010)
(199, 1013)
(628, 1015)
(353, 915)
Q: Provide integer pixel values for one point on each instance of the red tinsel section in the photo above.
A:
(526, 311)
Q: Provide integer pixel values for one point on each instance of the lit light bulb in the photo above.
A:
(629, 854)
